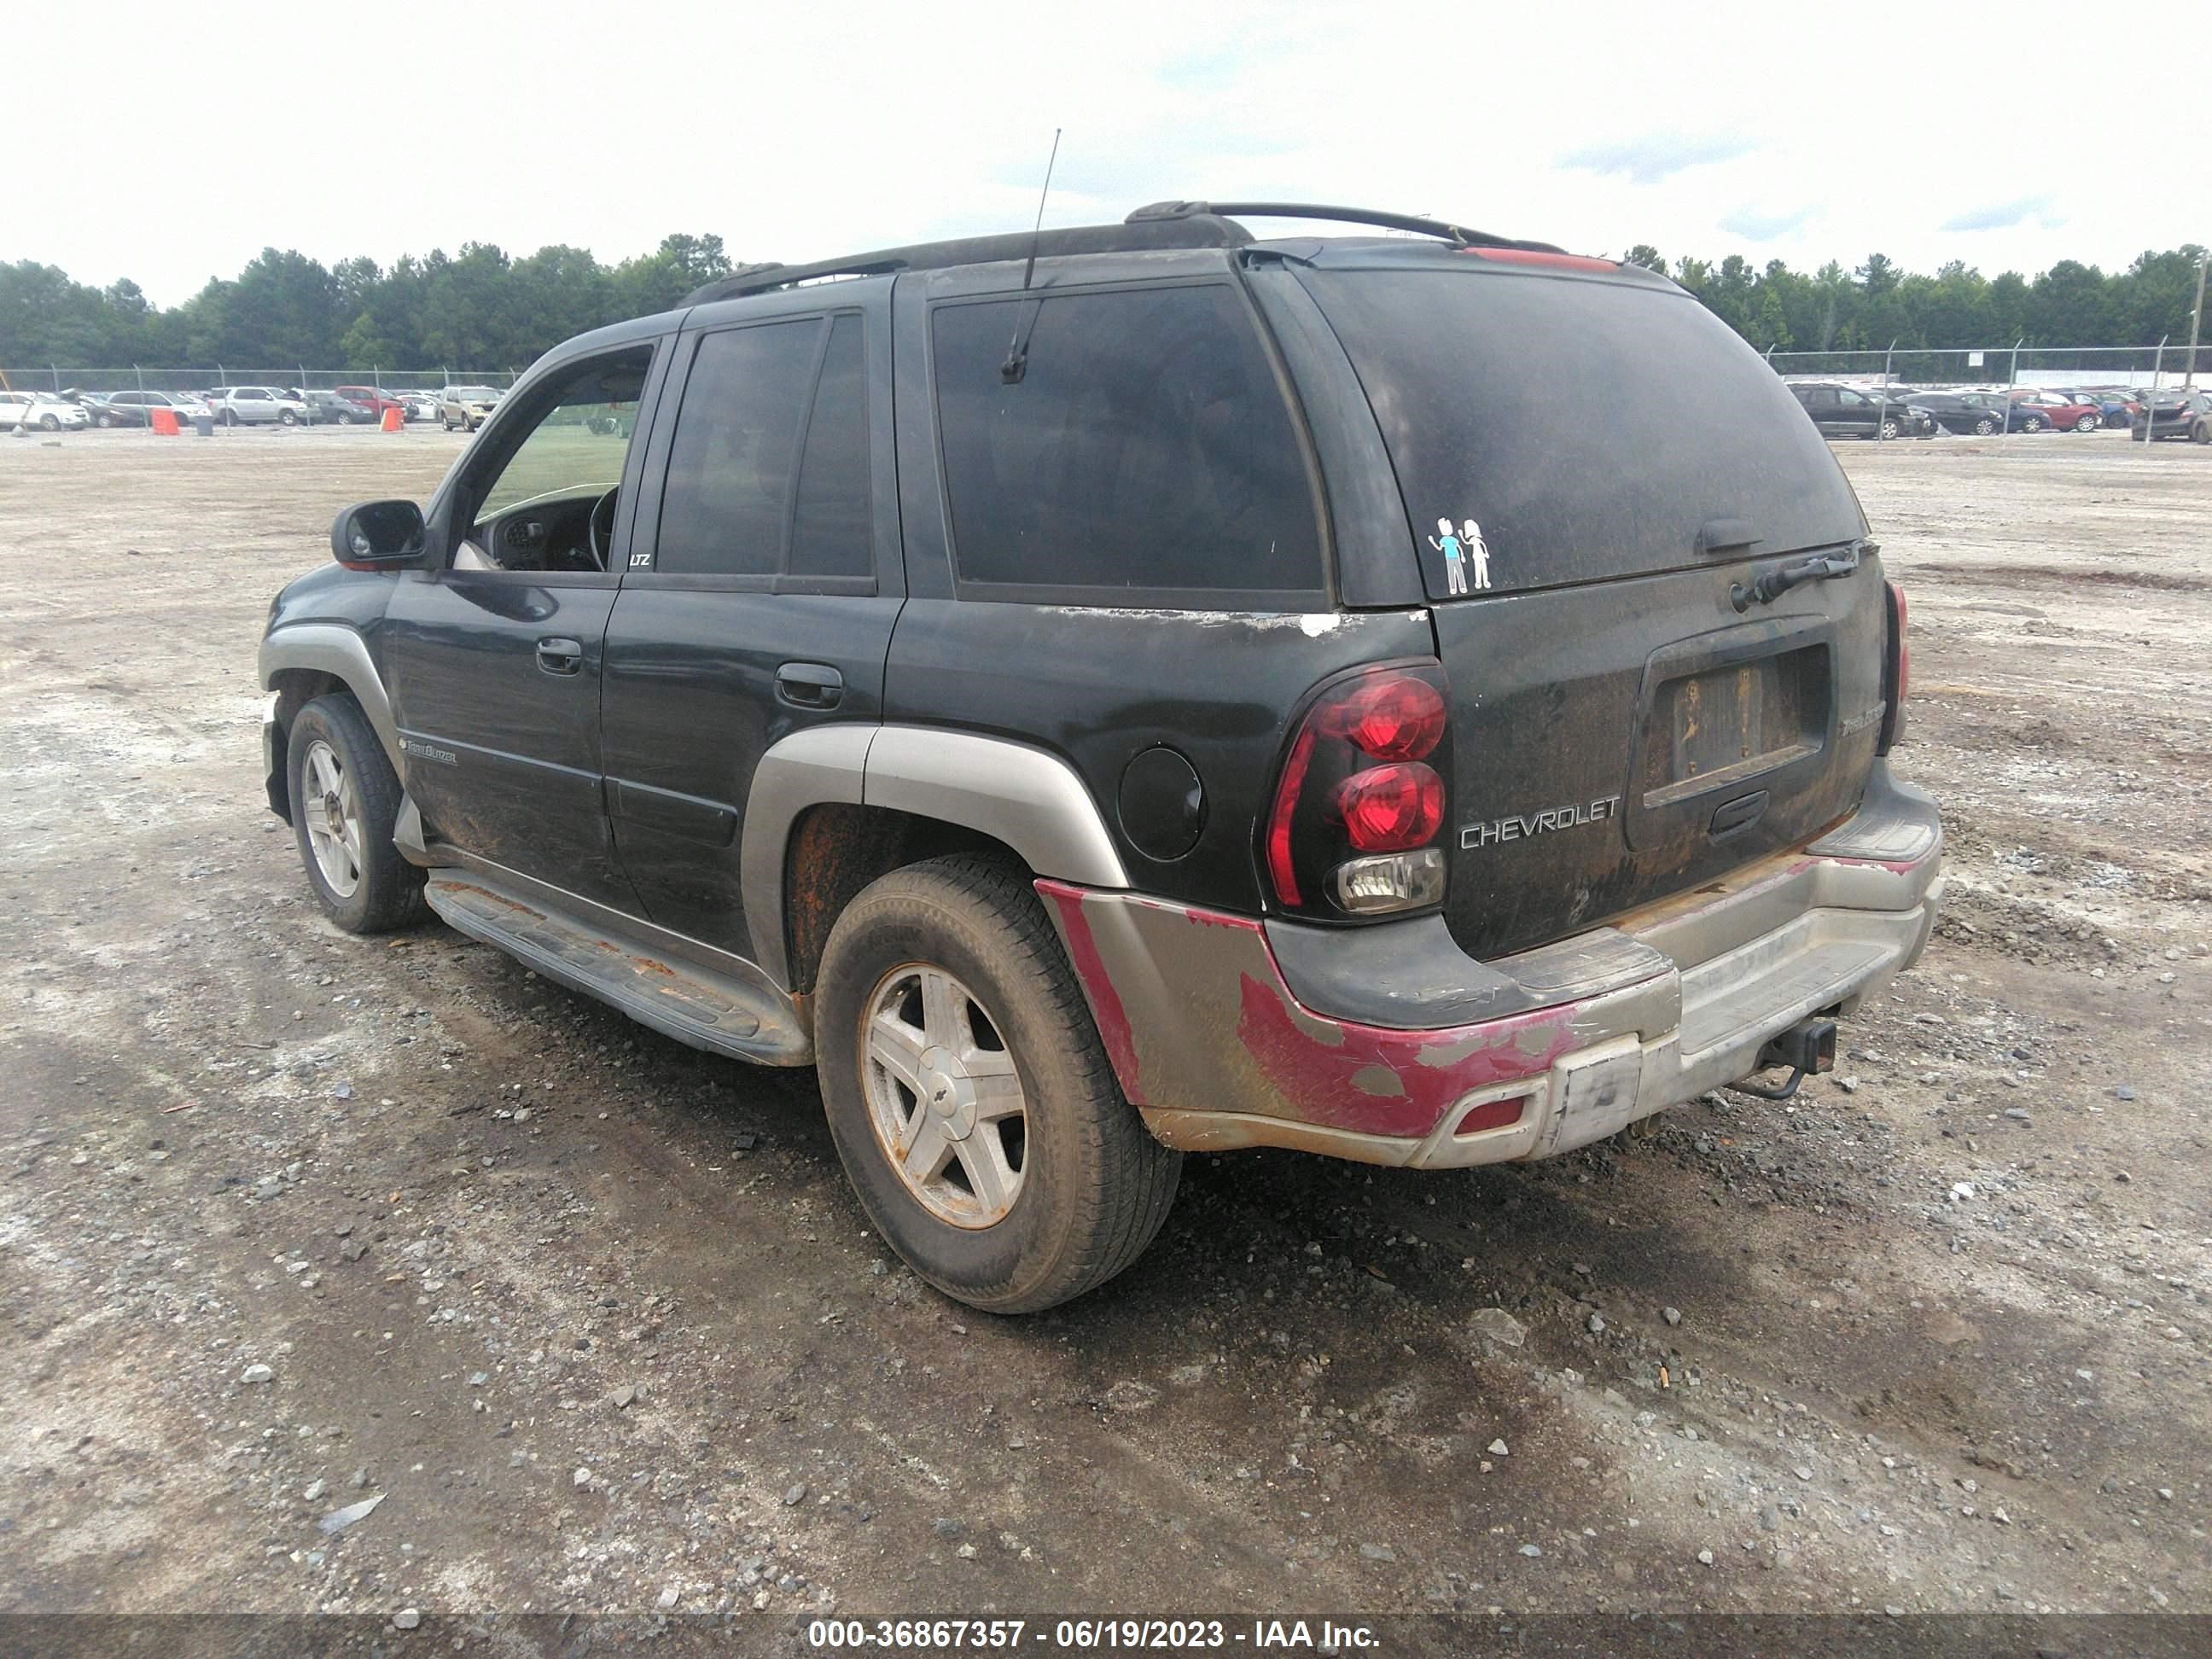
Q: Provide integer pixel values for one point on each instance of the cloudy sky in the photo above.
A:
(169, 143)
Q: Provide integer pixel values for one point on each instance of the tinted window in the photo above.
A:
(1586, 429)
(830, 535)
(726, 502)
(1145, 447)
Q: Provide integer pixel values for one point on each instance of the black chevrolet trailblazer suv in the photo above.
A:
(1419, 698)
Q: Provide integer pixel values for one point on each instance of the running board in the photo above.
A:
(692, 1004)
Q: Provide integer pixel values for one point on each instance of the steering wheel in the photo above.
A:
(599, 529)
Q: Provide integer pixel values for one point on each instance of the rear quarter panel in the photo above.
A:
(1099, 687)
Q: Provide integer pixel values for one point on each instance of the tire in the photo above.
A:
(331, 741)
(1892, 430)
(106, 422)
(49, 423)
(2201, 432)
(1983, 427)
(286, 417)
(1081, 1191)
(2088, 424)
(2034, 423)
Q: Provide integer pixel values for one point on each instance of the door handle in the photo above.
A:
(809, 685)
(560, 656)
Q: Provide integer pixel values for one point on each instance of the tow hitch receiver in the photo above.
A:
(1808, 1045)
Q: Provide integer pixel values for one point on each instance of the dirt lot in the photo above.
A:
(594, 1314)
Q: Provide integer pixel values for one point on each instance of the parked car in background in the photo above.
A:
(1954, 413)
(335, 409)
(2033, 411)
(465, 406)
(2177, 414)
(2115, 405)
(1844, 411)
(136, 408)
(1999, 405)
(2084, 400)
(422, 405)
(256, 405)
(375, 400)
(42, 412)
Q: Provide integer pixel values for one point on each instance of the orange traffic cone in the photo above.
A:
(393, 420)
(165, 423)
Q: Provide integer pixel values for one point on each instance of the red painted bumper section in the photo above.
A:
(1329, 1073)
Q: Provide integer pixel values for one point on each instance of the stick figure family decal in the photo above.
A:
(1460, 551)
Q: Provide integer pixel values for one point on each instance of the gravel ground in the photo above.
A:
(296, 1223)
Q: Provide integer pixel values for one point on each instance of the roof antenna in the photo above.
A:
(1017, 353)
(1037, 230)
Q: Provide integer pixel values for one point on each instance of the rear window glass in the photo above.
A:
(1144, 454)
(1547, 430)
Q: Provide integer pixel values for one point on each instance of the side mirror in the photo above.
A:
(379, 535)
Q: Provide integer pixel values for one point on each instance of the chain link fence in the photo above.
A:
(60, 377)
(1994, 368)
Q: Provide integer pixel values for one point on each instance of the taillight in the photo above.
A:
(1357, 809)
(1391, 809)
(1391, 717)
(1897, 672)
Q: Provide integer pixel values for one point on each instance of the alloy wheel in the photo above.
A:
(332, 807)
(944, 1095)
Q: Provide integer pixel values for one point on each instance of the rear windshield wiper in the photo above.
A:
(1820, 567)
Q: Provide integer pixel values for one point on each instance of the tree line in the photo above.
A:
(482, 308)
(1832, 309)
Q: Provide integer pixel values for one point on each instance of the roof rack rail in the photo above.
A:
(1458, 235)
(1195, 230)
(1160, 225)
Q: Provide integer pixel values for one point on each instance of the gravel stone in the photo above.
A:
(1496, 1325)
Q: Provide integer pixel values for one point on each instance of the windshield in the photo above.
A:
(1548, 431)
(472, 394)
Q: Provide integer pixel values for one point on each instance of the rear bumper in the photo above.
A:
(1376, 1044)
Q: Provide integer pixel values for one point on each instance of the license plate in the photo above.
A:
(1728, 726)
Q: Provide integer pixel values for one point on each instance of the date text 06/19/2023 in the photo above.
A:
(1123, 1635)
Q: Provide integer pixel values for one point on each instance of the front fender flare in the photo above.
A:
(334, 649)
